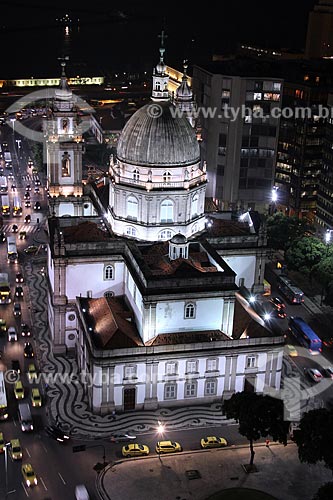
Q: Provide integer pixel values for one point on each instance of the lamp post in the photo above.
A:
(18, 141)
(327, 241)
(274, 199)
(160, 431)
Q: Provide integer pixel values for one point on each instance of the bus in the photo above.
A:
(12, 255)
(3, 184)
(289, 290)
(5, 294)
(305, 335)
(17, 206)
(3, 398)
(5, 207)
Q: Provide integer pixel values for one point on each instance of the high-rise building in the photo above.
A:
(239, 132)
(319, 40)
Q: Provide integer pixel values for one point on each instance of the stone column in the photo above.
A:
(150, 402)
(268, 377)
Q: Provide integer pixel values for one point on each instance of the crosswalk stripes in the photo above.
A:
(28, 228)
(26, 177)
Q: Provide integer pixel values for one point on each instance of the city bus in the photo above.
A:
(3, 398)
(17, 206)
(289, 290)
(3, 184)
(12, 255)
(5, 207)
(305, 335)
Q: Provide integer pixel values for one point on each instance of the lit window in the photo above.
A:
(170, 391)
(108, 273)
(211, 365)
(131, 231)
(65, 165)
(191, 366)
(132, 208)
(251, 362)
(130, 372)
(167, 211)
(210, 387)
(189, 311)
(165, 235)
(190, 390)
(171, 368)
(194, 206)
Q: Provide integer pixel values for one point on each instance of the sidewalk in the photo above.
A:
(279, 473)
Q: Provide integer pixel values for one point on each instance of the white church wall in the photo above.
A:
(134, 298)
(244, 267)
(66, 209)
(170, 316)
(81, 278)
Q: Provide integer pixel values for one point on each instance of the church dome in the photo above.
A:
(178, 239)
(154, 136)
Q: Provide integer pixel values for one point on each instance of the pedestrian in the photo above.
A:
(267, 443)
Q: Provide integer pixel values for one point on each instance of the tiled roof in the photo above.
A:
(112, 323)
(156, 257)
(187, 337)
(222, 227)
(85, 232)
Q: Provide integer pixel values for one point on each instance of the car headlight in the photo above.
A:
(28, 482)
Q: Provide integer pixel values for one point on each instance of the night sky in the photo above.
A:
(125, 37)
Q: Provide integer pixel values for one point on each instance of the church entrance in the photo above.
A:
(129, 399)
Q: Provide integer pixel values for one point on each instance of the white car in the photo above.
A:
(314, 374)
(12, 334)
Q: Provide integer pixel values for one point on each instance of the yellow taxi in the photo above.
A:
(32, 372)
(213, 442)
(29, 475)
(15, 449)
(36, 398)
(2, 443)
(19, 390)
(134, 450)
(167, 447)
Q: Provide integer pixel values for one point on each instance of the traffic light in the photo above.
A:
(80, 447)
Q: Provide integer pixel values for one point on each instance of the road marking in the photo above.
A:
(44, 448)
(14, 422)
(62, 479)
(25, 491)
(28, 452)
(43, 483)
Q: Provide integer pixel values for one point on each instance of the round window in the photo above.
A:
(86, 205)
(71, 317)
(71, 336)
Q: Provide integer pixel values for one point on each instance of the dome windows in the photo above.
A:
(166, 177)
(132, 208)
(167, 211)
(136, 175)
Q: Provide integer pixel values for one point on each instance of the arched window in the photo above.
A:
(166, 234)
(166, 177)
(108, 272)
(194, 206)
(158, 85)
(189, 312)
(136, 175)
(65, 165)
(108, 294)
(167, 211)
(132, 208)
(130, 231)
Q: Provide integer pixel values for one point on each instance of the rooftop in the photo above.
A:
(110, 323)
(85, 232)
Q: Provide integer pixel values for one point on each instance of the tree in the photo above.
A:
(325, 492)
(304, 254)
(258, 417)
(315, 438)
(282, 230)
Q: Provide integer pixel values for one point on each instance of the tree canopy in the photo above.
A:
(304, 254)
(282, 230)
(325, 492)
(258, 417)
(315, 437)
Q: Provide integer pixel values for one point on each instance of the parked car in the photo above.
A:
(134, 450)
(314, 374)
(277, 302)
(118, 438)
(55, 432)
(213, 442)
(167, 447)
(28, 350)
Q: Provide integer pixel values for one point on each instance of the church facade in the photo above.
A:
(143, 294)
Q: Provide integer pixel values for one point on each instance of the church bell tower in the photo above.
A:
(64, 151)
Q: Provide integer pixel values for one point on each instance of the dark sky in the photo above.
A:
(125, 37)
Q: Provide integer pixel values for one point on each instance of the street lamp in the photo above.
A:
(160, 432)
(274, 199)
(327, 242)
